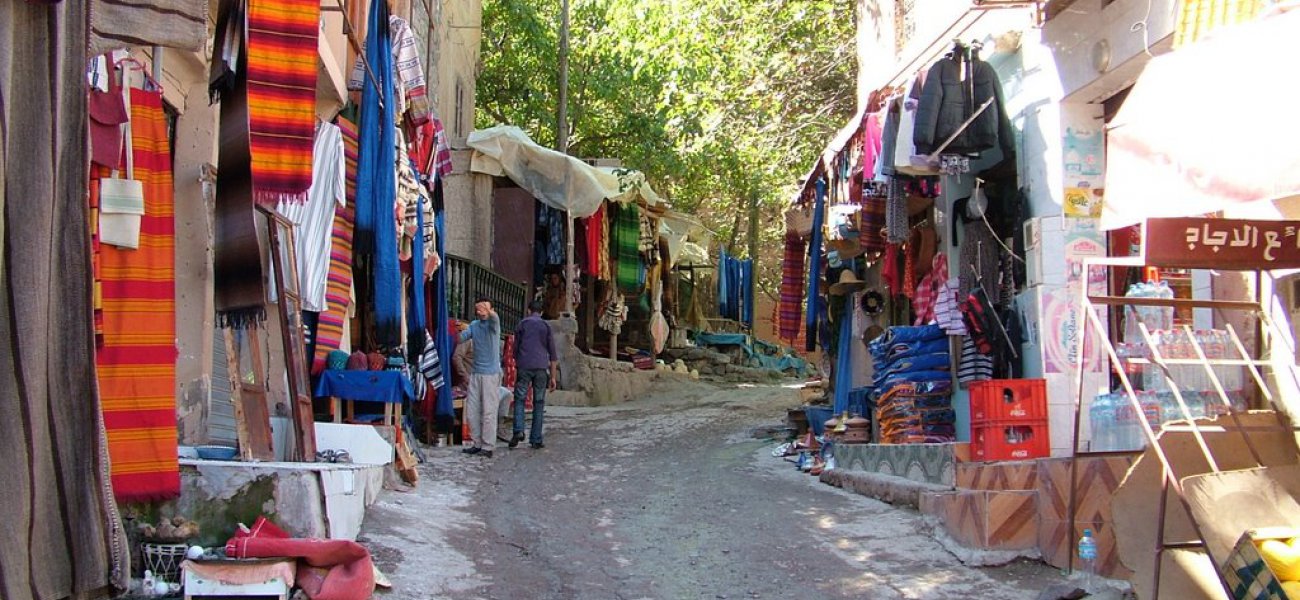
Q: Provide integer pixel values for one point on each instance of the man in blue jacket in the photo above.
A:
(537, 361)
(481, 404)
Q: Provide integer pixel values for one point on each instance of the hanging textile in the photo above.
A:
(281, 62)
(444, 411)
(597, 249)
(844, 360)
(338, 284)
(627, 235)
(417, 327)
(872, 217)
(137, 363)
(63, 534)
(376, 228)
(409, 88)
(735, 297)
(723, 275)
(314, 220)
(116, 25)
(815, 265)
(791, 301)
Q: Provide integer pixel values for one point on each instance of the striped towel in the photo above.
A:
(791, 301)
(282, 57)
(137, 360)
(626, 234)
(338, 284)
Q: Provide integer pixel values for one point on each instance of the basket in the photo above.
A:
(1246, 573)
(164, 560)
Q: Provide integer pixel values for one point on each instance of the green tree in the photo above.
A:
(717, 101)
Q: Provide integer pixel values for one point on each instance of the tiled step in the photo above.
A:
(987, 520)
(1020, 475)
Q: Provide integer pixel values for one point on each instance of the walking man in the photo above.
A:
(535, 355)
(481, 401)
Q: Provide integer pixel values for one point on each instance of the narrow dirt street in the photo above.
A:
(670, 496)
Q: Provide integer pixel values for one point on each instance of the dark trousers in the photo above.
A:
(539, 379)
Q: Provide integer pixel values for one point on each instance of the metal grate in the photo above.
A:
(468, 280)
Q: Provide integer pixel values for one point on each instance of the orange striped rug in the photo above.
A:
(282, 57)
(137, 357)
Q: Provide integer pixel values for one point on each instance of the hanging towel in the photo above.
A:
(376, 228)
(410, 87)
(627, 237)
(137, 361)
(314, 220)
(281, 62)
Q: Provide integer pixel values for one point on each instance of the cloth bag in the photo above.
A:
(799, 220)
(107, 111)
(121, 201)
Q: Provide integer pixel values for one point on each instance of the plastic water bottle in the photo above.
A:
(1088, 559)
(1102, 422)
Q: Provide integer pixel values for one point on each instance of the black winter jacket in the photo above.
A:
(946, 103)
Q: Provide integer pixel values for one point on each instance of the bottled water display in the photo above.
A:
(1115, 422)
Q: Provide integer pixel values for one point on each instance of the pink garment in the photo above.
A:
(872, 137)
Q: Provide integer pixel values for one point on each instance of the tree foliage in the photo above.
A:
(719, 102)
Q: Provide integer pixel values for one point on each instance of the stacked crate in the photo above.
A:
(1009, 419)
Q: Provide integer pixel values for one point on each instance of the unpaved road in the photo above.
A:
(670, 496)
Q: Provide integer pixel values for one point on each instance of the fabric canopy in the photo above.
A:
(678, 229)
(556, 179)
(1206, 128)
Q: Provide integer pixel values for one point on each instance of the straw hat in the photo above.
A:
(848, 283)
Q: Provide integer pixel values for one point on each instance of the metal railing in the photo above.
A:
(468, 280)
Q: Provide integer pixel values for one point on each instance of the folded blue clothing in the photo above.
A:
(906, 349)
(938, 361)
(915, 377)
(902, 334)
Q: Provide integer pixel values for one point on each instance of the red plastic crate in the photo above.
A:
(1009, 440)
(1008, 400)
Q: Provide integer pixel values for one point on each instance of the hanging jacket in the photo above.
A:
(947, 100)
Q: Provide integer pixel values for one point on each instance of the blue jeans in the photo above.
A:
(539, 379)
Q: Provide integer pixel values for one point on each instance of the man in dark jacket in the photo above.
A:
(537, 362)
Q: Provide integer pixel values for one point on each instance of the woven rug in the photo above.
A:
(790, 304)
(137, 361)
(282, 57)
(338, 285)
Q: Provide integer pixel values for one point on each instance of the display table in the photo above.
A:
(389, 387)
(262, 577)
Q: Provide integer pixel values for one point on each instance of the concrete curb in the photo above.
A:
(898, 491)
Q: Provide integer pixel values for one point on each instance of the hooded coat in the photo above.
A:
(954, 89)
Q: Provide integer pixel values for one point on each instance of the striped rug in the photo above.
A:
(137, 359)
(282, 57)
(338, 285)
(790, 304)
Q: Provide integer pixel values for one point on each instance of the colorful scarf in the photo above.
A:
(376, 230)
(338, 284)
(137, 360)
(790, 306)
(627, 249)
(282, 56)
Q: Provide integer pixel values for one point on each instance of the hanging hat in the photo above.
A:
(847, 284)
(873, 303)
(848, 247)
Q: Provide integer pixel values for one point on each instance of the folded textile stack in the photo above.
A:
(913, 385)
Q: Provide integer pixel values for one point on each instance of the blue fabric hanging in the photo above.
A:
(723, 273)
(376, 229)
(444, 410)
(747, 292)
(844, 364)
(815, 265)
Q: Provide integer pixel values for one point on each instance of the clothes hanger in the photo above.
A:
(129, 64)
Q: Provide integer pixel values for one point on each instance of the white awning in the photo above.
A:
(1209, 127)
(555, 179)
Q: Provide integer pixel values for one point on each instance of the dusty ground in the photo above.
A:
(670, 496)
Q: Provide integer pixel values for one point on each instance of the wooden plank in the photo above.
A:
(252, 418)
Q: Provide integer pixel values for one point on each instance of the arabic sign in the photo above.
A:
(1200, 243)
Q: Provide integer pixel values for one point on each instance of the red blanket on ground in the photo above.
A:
(350, 575)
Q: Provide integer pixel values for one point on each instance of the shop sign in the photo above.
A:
(1201, 243)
